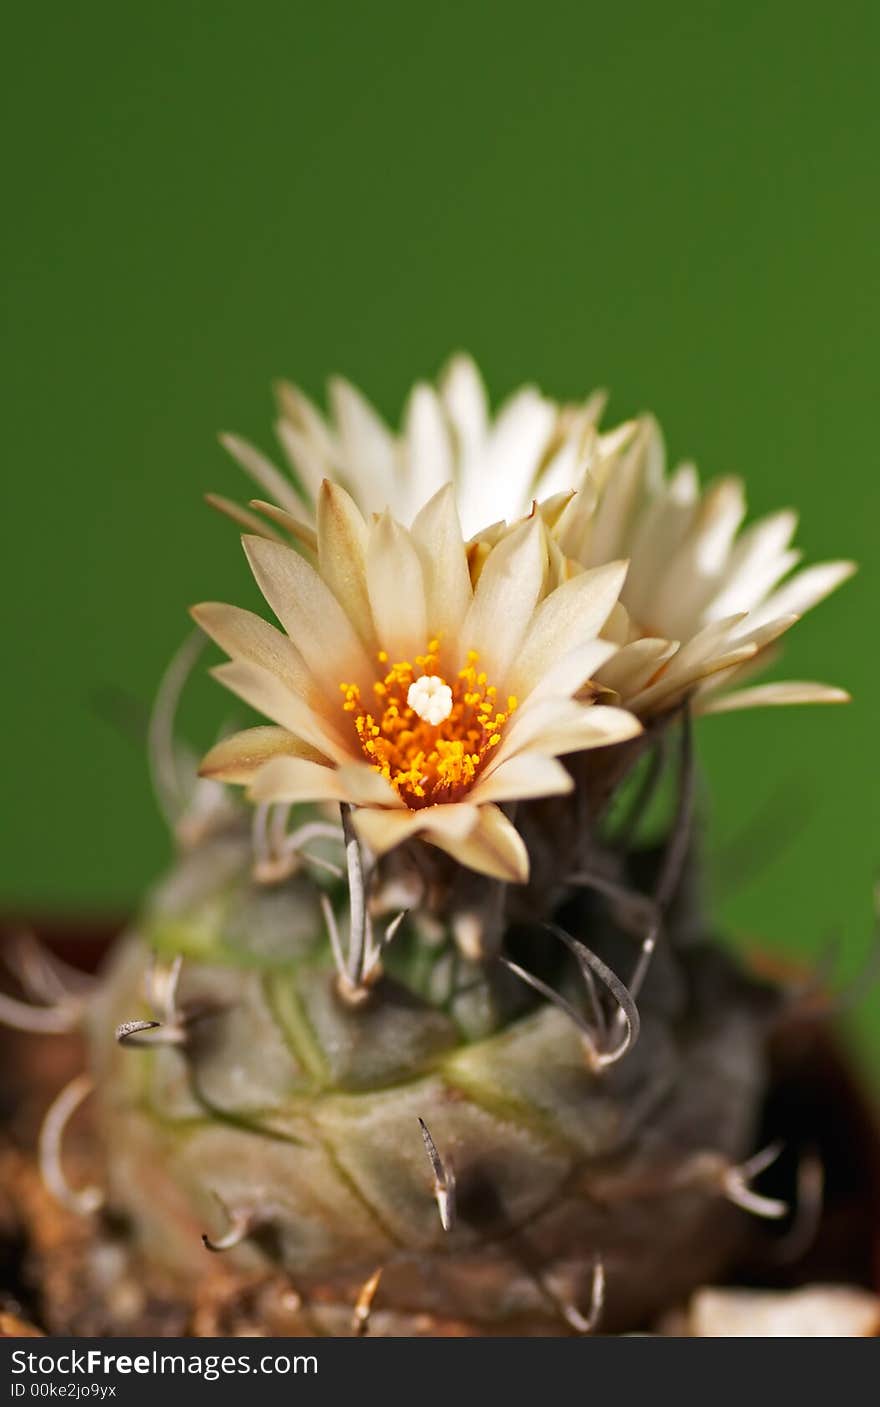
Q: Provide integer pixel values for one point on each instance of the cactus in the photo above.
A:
(294, 1116)
(430, 1030)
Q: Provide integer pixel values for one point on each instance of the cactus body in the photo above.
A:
(300, 1112)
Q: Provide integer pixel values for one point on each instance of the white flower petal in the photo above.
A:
(804, 590)
(382, 830)
(713, 640)
(637, 466)
(436, 532)
(306, 457)
(366, 787)
(572, 670)
(529, 774)
(658, 532)
(397, 589)
(268, 695)
(765, 634)
(311, 615)
(492, 847)
(304, 533)
(690, 576)
(242, 517)
(368, 448)
(773, 695)
(264, 473)
(464, 398)
(571, 615)
(294, 779)
(563, 469)
(428, 447)
(516, 444)
(342, 544)
(506, 595)
(634, 665)
(238, 758)
(671, 687)
(245, 636)
(758, 559)
(557, 726)
(303, 415)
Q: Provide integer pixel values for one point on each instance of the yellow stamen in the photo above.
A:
(427, 762)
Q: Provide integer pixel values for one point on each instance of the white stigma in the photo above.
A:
(431, 698)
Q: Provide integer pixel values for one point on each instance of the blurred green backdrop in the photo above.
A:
(679, 202)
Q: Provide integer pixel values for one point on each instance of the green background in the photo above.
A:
(678, 201)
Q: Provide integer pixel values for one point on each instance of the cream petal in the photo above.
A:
(600, 725)
(563, 469)
(237, 758)
(713, 640)
(304, 533)
(311, 615)
(264, 473)
(534, 717)
(721, 513)
(738, 674)
(436, 532)
(803, 591)
(574, 525)
(245, 636)
(637, 466)
(294, 779)
(619, 627)
(342, 544)
(492, 847)
(396, 588)
(306, 457)
(366, 787)
(518, 441)
(429, 449)
(634, 665)
(765, 634)
(690, 576)
(526, 775)
(488, 536)
(572, 670)
(764, 695)
(559, 567)
(748, 593)
(499, 481)
(613, 442)
(464, 398)
(369, 449)
(677, 681)
(657, 533)
(466, 402)
(556, 726)
(758, 559)
(552, 507)
(302, 413)
(571, 615)
(505, 599)
(266, 693)
(249, 521)
(382, 829)
(561, 472)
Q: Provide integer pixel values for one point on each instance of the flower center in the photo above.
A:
(428, 736)
(430, 697)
